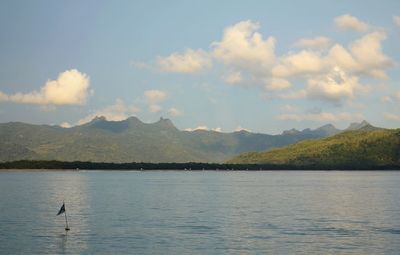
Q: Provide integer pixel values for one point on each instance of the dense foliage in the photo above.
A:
(352, 149)
(78, 165)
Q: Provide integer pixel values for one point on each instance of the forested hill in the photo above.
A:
(356, 149)
(132, 140)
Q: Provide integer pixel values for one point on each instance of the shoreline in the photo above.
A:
(28, 165)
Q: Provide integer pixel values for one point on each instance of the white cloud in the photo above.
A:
(391, 116)
(174, 112)
(277, 84)
(155, 108)
(294, 94)
(340, 56)
(65, 125)
(392, 98)
(201, 127)
(249, 60)
(233, 77)
(367, 51)
(204, 128)
(319, 42)
(70, 88)
(115, 112)
(242, 47)
(303, 62)
(350, 22)
(321, 117)
(191, 61)
(364, 57)
(396, 20)
(153, 99)
(335, 86)
(155, 96)
(289, 108)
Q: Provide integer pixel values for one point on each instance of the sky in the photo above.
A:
(262, 66)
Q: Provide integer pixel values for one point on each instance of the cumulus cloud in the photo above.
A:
(369, 55)
(249, 60)
(303, 62)
(232, 78)
(153, 99)
(289, 108)
(294, 94)
(155, 108)
(352, 23)
(174, 112)
(396, 20)
(321, 117)
(275, 84)
(155, 96)
(115, 112)
(70, 88)
(392, 98)
(364, 56)
(191, 61)
(335, 86)
(319, 42)
(243, 47)
(335, 76)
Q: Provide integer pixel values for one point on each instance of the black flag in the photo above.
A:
(62, 209)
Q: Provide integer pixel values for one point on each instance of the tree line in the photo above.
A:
(81, 165)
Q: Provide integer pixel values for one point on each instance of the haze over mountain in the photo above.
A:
(132, 140)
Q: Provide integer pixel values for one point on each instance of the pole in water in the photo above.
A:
(66, 220)
(61, 211)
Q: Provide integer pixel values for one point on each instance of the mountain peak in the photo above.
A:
(98, 118)
(362, 125)
(327, 126)
(292, 131)
(133, 119)
(165, 123)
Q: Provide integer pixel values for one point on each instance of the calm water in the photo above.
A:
(200, 212)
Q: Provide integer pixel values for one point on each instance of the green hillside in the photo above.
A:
(352, 148)
(131, 140)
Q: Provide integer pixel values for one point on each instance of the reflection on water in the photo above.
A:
(200, 212)
(63, 243)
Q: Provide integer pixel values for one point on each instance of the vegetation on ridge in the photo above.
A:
(131, 140)
(355, 149)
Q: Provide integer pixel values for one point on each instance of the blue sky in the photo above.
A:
(264, 66)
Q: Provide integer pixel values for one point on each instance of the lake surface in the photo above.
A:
(205, 212)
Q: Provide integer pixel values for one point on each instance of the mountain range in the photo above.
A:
(132, 140)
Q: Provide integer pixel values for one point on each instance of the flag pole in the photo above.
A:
(66, 219)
